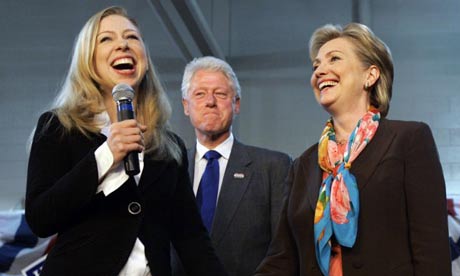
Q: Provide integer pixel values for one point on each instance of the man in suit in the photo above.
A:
(243, 216)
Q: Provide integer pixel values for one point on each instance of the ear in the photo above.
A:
(236, 106)
(373, 74)
(185, 105)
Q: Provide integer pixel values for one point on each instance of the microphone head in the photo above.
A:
(122, 91)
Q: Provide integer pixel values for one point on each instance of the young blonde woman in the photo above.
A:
(108, 222)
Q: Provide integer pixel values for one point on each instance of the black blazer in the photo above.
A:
(402, 228)
(96, 233)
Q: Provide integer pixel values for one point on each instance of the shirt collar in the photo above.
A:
(103, 121)
(224, 148)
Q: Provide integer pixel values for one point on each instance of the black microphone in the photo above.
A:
(123, 95)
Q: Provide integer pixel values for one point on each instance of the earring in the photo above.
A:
(366, 85)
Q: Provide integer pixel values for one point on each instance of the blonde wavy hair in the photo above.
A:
(370, 50)
(80, 100)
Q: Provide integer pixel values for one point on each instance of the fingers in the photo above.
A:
(143, 128)
(124, 137)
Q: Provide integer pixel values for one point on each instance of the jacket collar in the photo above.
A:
(362, 168)
(234, 185)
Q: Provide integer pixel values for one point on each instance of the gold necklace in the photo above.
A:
(341, 142)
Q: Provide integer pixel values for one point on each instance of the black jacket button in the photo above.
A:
(134, 208)
(357, 264)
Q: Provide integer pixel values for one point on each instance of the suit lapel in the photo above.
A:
(366, 163)
(234, 185)
(362, 168)
(152, 170)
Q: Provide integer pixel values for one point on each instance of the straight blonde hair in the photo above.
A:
(80, 100)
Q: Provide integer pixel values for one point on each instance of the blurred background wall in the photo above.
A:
(266, 43)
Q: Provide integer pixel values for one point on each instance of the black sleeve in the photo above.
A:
(281, 256)
(278, 174)
(190, 238)
(58, 187)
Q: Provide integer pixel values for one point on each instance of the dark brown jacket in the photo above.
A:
(402, 228)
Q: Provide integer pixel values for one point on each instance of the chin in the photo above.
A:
(326, 106)
(213, 131)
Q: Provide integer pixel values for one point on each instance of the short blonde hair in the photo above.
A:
(80, 100)
(369, 49)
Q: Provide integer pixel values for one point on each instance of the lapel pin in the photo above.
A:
(238, 175)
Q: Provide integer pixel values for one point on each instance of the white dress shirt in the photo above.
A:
(112, 179)
(225, 148)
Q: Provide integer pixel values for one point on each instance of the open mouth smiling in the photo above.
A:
(327, 84)
(124, 64)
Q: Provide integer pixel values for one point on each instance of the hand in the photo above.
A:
(124, 137)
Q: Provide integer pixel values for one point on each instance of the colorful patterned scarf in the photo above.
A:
(337, 208)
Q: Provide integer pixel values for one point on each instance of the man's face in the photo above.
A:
(211, 104)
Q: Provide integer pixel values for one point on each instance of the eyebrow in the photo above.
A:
(125, 31)
(328, 54)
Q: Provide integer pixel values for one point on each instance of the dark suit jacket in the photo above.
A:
(248, 208)
(96, 233)
(402, 228)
